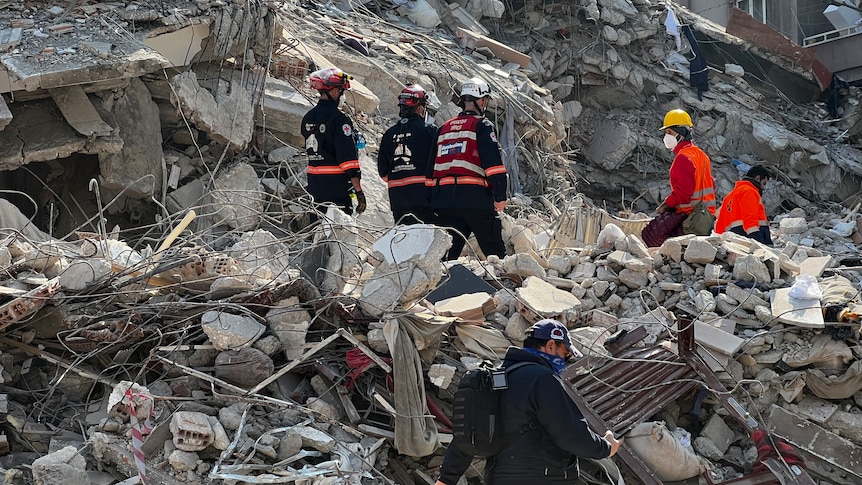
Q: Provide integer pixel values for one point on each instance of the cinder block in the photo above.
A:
(191, 430)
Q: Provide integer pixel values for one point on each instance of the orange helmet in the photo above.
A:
(331, 77)
(412, 96)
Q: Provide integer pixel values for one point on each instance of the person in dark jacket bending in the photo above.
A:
(330, 142)
(468, 184)
(405, 159)
(556, 431)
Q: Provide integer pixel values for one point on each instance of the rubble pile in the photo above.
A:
(167, 312)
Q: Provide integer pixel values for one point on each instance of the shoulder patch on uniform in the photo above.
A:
(347, 129)
(493, 137)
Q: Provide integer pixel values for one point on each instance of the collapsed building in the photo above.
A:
(168, 313)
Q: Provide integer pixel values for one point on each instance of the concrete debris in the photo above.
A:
(156, 227)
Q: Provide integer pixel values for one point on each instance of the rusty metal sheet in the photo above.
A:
(633, 386)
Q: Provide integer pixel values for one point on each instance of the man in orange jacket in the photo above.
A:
(742, 210)
(691, 180)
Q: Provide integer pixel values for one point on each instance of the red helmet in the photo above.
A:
(412, 96)
(331, 77)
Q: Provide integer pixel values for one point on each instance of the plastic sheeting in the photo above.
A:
(415, 429)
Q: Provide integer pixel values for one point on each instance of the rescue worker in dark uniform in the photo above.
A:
(405, 157)
(468, 183)
(742, 211)
(330, 142)
(536, 401)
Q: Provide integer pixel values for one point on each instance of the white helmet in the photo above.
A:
(476, 88)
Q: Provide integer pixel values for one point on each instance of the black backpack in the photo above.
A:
(476, 407)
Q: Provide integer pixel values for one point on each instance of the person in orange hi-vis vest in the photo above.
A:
(691, 181)
(742, 211)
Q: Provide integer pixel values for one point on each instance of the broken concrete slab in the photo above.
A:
(815, 265)
(227, 331)
(828, 446)
(468, 307)
(238, 197)
(793, 311)
(544, 300)
(31, 74)
(79, 111)
(225, 111)
(474, 40)
(282, 110)
(38, 132)
(137, 168)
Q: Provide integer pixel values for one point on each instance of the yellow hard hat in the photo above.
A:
(677, 117)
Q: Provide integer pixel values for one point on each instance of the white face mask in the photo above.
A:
(670, 141)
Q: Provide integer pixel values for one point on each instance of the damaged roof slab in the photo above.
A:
(39, 133)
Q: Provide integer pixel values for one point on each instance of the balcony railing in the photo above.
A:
(831, 35)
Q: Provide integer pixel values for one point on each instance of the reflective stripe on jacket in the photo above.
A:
(743, 208)
(704, 185)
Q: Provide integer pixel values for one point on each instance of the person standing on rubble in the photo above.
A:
(331, 145)
(742, 211)
(553, 434)
(468, 182)
(691, 183)
(405, 157)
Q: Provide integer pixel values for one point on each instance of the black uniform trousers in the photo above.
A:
(484, 223)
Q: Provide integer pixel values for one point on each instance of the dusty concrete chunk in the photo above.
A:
(469, 306)
(441, 375)
(63, 467)
(792, 225)
(545, 299)
(634, 279)
(137, 168)
(290, 444)
(191, 431)
(848, 424)
(751, 268)
(79, 111)
(206, 109)
(671, 248)
(289, 322)
(9, 38)
(314, 438)
(220, 438)
(749, 298)
(238, 196)
(523, 265)
(183, 460)
(699, 251)
(718, 432)
(816, 409)
(716, 336)
(245, 368)
(517, 327)
(734, 70)
(228, 331)
(82, 273)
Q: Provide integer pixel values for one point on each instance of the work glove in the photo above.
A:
(361, 204)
